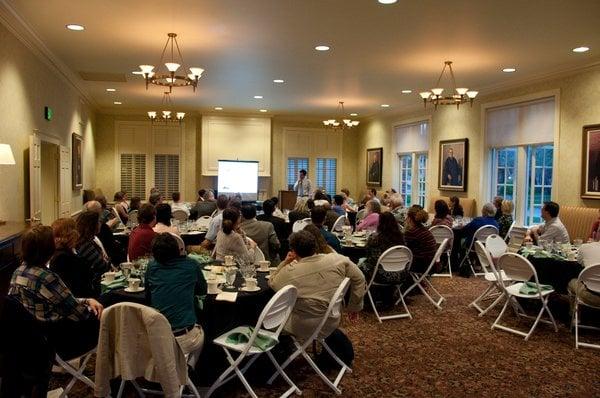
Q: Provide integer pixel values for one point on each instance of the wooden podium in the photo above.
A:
(287, 199)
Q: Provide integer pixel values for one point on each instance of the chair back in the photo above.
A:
(179, 215)
(395, 259)
(484, 258)
(276, 312)
(361, 214)
(441, 232)
(516, 236)
(180, 244)
(300, 224)
(436, 257)
(133, 217)
(495, 245)
(517, 267)
(590, 277)
(334, 308)
(214, 213)
(483, 232)
(339, 223)
(258, 255)
(203, 222)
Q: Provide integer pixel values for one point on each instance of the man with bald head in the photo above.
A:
(105, 238)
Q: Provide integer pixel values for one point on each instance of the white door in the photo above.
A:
(35, 179)
(64, 182)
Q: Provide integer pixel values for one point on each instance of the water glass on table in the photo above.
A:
(230, 274)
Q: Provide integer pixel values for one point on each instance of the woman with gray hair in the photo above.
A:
(487, 218)
(397, 208)
(371, 221)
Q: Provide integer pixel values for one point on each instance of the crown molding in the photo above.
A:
(26, 35)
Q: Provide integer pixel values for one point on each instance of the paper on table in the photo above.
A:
(227, 296)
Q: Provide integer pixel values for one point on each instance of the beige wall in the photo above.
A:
(579, 105)
(27, 85)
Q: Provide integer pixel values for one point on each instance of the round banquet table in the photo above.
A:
(354, 253)
(555, 272)
(189, 238)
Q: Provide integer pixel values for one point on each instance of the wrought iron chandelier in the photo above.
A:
(169, 77)
(343, 123)
(166, 116)
(435, 96)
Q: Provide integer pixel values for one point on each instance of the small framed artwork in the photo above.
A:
(374, 166)
(590, 173)
(453, 167)
(76, 166)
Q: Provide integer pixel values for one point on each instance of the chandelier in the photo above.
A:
(342, 125)
(167, 115)
(435, 96)
(168, 77)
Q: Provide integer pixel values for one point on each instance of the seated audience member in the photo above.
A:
(317, 216)
(553, 229)
(498, 205)
(300, 211)
(163, 220)
(320, 198)
(338, 205)
(317, 277)
(371, 195)
(230, 240)
(178, 204)
(105, 238)
(586, 295)
(88, 249)
(277, 212)
(74, 272)
(106, 214)
(215, 224)
(506, 219)
(388, 235)
(347, 197)
(135, 204)
(261, 232)
(589, 254)
(140, 239)
(442, 214)
(371, 220)
(419, 239)
(397, 208)
(155, 199)
(595, 232)
(201, 193)
(205, 207)
(330, 216)
(322, 246)
(172, 283)
(488, 211)
(281, 227)
(456, 209)
(310, 204)
(121, 206)
(72, 324)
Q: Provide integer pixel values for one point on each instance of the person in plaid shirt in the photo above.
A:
(71, 323)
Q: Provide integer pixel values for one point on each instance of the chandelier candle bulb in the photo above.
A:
(180, 115)
(146, 69)
(435, 96)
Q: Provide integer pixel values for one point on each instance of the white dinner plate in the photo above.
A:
(192, 233)
(129, 290)
(247, 289)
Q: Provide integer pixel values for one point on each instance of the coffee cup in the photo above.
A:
(212, 286)
(229, 260)
(109, 276)
(134, 284)
(250, 283)
(264, 265)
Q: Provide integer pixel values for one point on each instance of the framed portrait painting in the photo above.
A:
(590, 173)
(374, 166)
(453, 166)
(76, 166)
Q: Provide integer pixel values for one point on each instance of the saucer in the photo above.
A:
(247, 289)
(130, 290)
(262, 270)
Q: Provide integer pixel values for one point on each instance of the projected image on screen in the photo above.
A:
(238, 177)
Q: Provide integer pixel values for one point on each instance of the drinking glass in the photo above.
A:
(126, 272)
(230, 274)
(578, 242)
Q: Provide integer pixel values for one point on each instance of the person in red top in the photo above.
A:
(140, 240)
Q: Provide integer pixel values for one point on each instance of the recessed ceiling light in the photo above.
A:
(581, 49)
(406, 91)
(509, 70)
(322, 48)
(354, 114)
(111, 90)
(263, 110)
(218, 108)
(385, 105)
(75, 27)
(258, 97)
(278, 81)
(387, 1)
(117, 103)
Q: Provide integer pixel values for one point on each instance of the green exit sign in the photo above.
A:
(48, 113)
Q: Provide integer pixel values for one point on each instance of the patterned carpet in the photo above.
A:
(448, 353)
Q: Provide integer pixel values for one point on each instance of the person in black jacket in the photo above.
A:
(282, 229)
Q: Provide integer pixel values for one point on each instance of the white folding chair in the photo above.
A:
(394, 259)
(496, 246)
(214, 213)
(361, 214)
(493, 291)
(334, 309)
(180, 244)
(421, 281)
(481, 234)
(339, 223)
(179, 215)
(258, 255)
(203, 222)
(507, 236)
(515, 237)
(441, 232)
(519, 269)
(273, 317)
(300, 224)
(76, 372)
(590, 277)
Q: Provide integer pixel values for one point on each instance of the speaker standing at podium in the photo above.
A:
(303, 186)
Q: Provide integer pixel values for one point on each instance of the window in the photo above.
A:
(133, 174)
(539, 190)
(406, 178)
(504, 162)
(422, 178)
(294, 166)
(166, 173)
(327, 174)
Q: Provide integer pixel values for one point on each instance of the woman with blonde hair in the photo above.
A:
(300, 211)
(65, 262)
(506, 219)
(419, 239)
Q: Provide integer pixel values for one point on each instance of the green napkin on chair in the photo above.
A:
(261, 341)
(116, 284)
(532, 288)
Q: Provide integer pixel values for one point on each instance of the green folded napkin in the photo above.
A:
(261, 341)
(116, 284)
(532, 288)
(201, 258)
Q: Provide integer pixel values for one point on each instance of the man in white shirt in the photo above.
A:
(215, 224)
(303, 186)
(178, 204)
(553, 230)
(589, 254)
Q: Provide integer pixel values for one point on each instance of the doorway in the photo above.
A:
(50, 177)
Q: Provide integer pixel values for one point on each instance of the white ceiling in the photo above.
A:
(376, 50)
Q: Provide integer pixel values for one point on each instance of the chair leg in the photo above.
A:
(481, 297)
(294, 355)
(373, 305)
(576, 315)
(121, 388)
(494, 304)
(76, 373)
(138, 388)
(497, 321)
(537, 320)
(335, 357)
(245, 382)
(321, 374)
(545, 306)
(293, 388)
